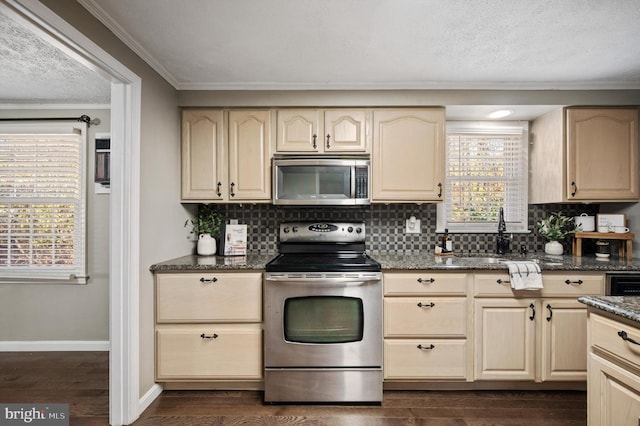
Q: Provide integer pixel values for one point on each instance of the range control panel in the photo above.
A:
(345, 232)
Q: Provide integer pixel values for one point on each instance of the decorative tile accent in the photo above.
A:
(385, 225)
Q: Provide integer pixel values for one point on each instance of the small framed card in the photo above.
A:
(609, 220)
(234, 240)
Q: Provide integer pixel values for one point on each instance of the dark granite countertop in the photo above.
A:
(199, 263)
(412, 261)
(623, 306)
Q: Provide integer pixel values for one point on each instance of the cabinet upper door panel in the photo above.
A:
(298, 130)
(602, 153)
(203, 169)
(250, 155)
(344, 131)
(408, 155)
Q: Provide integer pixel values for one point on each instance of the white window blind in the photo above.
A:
(42, 206)
(486, 168)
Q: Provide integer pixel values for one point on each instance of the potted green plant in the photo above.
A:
(206, 226)
(556, 228)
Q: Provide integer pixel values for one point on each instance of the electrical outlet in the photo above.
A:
(412, 226)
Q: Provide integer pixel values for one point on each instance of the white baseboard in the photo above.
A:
(54, 346)
(148, 398)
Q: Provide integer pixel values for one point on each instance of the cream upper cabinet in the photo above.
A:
(204, 169)
(214, 170)
(408, 156)
(585, 154)
(250, 152)
(321, 131)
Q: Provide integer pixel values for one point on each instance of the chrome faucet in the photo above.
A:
(502, 244)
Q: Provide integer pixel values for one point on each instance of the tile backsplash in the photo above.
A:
(385, 224)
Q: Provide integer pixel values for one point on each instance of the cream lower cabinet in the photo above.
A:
(532, 335)
(425, 326)
(226, 155)
(208, 326)
(613, 390)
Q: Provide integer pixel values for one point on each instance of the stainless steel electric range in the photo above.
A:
(323, 316)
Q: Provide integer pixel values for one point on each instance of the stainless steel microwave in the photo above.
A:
(321, 180)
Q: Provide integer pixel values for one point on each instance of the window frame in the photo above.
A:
(482, 128)
(77, 273)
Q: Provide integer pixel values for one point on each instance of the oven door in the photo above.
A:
(323, 320)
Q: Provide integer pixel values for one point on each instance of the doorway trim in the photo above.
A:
(124, 268)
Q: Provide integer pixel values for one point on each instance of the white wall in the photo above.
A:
(64, 312)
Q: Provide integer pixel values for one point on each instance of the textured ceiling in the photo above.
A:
(379, 44)
(33, 71)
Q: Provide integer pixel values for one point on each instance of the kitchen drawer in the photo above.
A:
(209, 297)
(434, 359)
(496, 284)
(425, 282)
(572, 284)
(425, 316)
(205, 351)
(554, 285)
(604, 337)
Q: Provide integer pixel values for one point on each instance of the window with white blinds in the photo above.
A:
(486, 168)
(42, 205)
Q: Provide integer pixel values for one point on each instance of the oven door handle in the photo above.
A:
(325, 282)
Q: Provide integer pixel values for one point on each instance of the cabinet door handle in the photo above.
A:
(315, 145)
(233, 194)
(328, 138)
(219, 185)
(209, 337)
(430, 305)
(429, 280)
(533, 312)
(626, 338)
(208, 280)
(578, 282)
(501, 281)
(575, 189)
(426, 348)
(550, 312)
(439, 190)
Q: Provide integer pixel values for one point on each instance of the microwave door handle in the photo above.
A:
(353, 183)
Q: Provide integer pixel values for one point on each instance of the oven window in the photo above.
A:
(314, 182)
(323, 319)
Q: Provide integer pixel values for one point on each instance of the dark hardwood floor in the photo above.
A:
(81, 380)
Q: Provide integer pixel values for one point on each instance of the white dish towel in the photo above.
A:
(525, 275)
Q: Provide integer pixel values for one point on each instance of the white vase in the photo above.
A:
(553, 247)
(206, 245)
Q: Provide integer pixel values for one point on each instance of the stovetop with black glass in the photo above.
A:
(322, 247)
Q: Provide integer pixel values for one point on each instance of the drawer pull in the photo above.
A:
(212, 336)
(626, 338)
(430, 305)
(500, 281)
(430, 280)
(426, 348)
(208, 280)
(578, 282)
(550, 312)
(533, 312)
